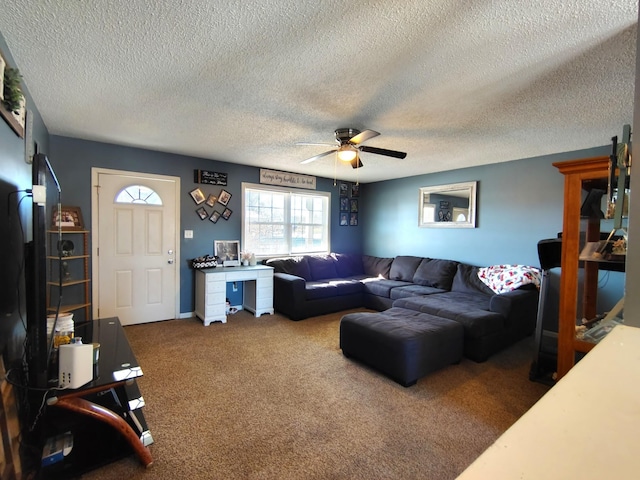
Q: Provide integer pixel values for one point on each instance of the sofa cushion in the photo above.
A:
(346, 286)
(381, 286)
(322, 266)
(467, 280)
(436, 273)
(348, 265)
(414, 291)
(298, 266)
(404, 268)
(316, 290)
(470, 309)
(376, 266)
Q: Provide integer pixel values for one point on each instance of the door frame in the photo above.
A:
(95, 269)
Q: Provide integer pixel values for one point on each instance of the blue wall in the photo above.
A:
(73, 159)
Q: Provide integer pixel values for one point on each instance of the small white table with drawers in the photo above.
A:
(211, 291)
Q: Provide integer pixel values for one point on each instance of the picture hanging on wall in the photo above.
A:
(344, 219)
(353, 220)
(226, 213)
(197, 196)
(211, 200)
(202, 213)
(355, 190)
(354, 205)
(215, 216)
(224, 197)
(344, 189)
(344, 204)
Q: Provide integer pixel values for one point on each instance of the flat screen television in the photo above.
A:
(47, 187)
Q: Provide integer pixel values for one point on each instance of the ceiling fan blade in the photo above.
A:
(356, 163)
(313, 159)
(363, 136)
(383, 151)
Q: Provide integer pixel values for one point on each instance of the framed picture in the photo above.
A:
(353, 220)
(344, 219)
(215, 216)
(344, 204)
(197, 196)
(211, 200)
(226, 213)
(228, 251)
(68, 218)
(224, 197)
(344, 189)
(354, 205)
(202, 213)
(355, 190)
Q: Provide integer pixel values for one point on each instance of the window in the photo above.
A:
(280, 221)
(138, 194)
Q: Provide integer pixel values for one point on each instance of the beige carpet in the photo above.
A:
(268, 398)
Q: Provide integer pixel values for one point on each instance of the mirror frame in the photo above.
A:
(470, 187)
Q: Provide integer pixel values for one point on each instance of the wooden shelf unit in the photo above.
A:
(579, 175)
(85, 280)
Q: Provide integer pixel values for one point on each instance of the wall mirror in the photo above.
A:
(448, 206)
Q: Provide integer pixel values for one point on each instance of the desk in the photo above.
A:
(585, 427)
(211, 291)
(105, 411)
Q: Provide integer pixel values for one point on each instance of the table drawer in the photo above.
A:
(216, 287)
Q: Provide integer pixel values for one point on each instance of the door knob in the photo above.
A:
(170, 261)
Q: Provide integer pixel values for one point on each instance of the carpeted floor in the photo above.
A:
(268, 398)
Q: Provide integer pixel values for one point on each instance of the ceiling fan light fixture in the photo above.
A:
(347, 153)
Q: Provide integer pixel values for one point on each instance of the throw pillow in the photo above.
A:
(404, 267)
(436, 273)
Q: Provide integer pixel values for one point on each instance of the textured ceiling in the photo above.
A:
(453, 83)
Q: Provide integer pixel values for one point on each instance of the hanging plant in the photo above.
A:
(12, 91)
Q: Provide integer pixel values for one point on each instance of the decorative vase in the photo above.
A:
(245, 263)
(252, 261)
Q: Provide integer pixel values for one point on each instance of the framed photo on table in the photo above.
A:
(67, 218)
(228, 251)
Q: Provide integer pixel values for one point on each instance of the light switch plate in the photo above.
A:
(188, 234)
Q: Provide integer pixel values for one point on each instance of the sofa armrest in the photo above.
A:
(288, 294)
(520, 305)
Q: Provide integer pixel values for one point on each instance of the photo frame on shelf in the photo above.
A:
(197, 196)
(211, 200)
(202, 213)
(228, 251)
(227, 213)
(215, 216)
(224, 197)
(67, 218)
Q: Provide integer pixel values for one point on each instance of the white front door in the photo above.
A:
(135, 246)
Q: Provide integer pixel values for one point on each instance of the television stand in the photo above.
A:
(104, 416)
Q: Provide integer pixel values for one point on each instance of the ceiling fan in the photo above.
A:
(348, 147)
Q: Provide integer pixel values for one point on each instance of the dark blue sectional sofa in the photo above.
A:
(312, 285)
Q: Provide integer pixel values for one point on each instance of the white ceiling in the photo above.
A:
(453, 83)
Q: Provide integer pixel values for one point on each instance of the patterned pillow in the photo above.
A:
(505, 278)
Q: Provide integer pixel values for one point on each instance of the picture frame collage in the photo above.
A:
(210, 200)
(349, 204)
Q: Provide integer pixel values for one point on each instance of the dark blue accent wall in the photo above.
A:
(73, 159)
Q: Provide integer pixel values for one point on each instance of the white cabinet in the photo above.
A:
(211, 291)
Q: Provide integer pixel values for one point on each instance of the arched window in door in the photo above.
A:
(138, 194)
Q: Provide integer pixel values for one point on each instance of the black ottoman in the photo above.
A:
(402, 344)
